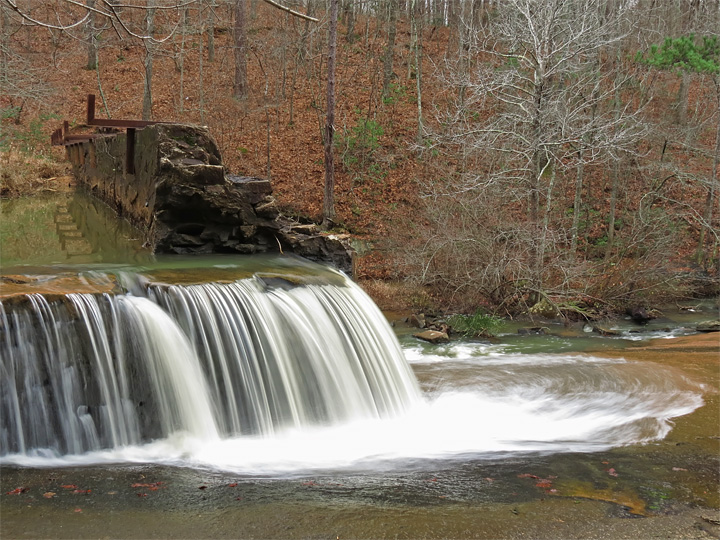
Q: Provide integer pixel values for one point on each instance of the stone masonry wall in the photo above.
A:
(182, 199)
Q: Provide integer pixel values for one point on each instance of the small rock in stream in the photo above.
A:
(433, 336)
(709, 326)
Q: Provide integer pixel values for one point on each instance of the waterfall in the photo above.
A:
(253, 357)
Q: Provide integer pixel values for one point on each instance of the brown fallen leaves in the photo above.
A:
(544, 483)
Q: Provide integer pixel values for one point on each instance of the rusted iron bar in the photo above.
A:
(62, 137)
(90, 109)
(129, 125)
(111, 123)
(58, 139)
(80, 138)
(122, 124)
(130, 152)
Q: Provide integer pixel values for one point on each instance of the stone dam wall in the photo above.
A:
(182, 199)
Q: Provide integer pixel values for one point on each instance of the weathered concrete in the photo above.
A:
(182, 199)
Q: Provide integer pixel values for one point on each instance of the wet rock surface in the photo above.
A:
(433, 336)
(709, 326)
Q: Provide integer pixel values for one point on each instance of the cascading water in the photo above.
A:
(296, 357)
(220, 360)
(283, 372)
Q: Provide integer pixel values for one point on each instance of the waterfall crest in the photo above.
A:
(251, 357)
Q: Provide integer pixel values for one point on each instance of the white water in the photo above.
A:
(282, 381)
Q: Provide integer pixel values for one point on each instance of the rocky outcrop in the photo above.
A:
(182, 199)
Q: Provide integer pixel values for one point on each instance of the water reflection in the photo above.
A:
(66, 228)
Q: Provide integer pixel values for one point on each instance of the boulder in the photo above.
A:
(433, 336)
(535, 330)
(709, 326)
(639, 314)
(255, 189)
(545, 308)
(417, 320)
(605, 331)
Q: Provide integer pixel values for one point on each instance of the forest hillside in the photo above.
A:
(559, 156)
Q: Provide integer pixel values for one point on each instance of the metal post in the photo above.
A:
(91, 109)
(130, 152)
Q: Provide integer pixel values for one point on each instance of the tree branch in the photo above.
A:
(290, 11)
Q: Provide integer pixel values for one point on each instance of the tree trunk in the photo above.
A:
(211, 31)
(240, 89)
(390, 49)
(682, 99)
(577, 203)
(92, 49)
(349, 9)
(149, 46)
(615, 179)
(329, 198)
(418, 26)
(291, 120)
(540, 263)
(180, 63)
(537, 166)
(4, 39)
(201, 82)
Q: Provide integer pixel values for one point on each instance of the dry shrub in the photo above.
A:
(395, 296)
(22, 174)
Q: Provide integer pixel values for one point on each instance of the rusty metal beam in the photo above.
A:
(56, 137)
(80, 138)
(130, 151)
(124, 124)
(111, 123)
(90, 108)
(62, 137)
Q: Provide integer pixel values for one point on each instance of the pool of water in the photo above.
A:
(66, 228)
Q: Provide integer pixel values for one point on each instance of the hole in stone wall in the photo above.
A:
(190, 228)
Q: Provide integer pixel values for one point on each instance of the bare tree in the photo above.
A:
(71, 16)
(240, 86)
(92, 38)
(389, 56)
(148, 60)
(536, 108)
(211, 30)
(417, 25)
(329, 192)
(20, 80)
